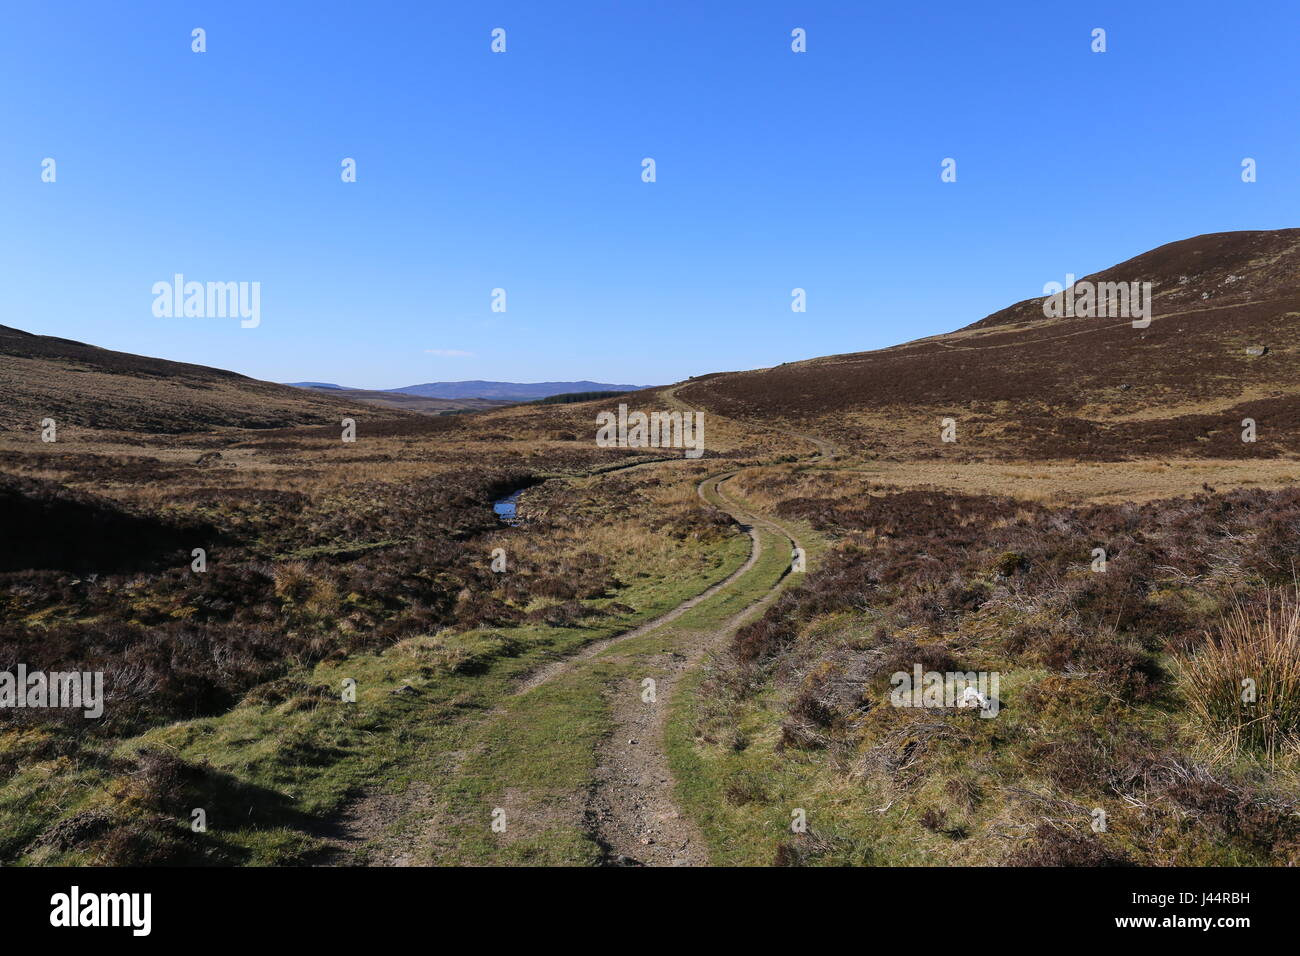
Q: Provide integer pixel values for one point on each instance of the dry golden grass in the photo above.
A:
(1044, 482)
(1121, 412)
(1084, 482)
(1243, 684)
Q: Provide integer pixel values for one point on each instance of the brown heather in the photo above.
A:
(1120, 690)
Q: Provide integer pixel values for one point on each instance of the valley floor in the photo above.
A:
(647, 681)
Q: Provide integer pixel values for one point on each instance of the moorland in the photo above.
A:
(363, 665)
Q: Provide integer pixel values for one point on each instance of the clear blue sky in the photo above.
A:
(523, 171)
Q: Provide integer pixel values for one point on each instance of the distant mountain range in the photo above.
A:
(501, 391)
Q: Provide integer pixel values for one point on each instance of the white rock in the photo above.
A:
(973, 698)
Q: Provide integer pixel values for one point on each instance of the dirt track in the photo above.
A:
(629, 809)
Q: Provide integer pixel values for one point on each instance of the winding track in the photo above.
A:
(825, 451)
(549, 671)
(629, 809)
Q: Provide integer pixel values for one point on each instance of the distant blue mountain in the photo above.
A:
(510, 391)
(502, 391)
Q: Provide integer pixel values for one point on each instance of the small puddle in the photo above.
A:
(506, 507)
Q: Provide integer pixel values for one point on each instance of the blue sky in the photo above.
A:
(522, 171)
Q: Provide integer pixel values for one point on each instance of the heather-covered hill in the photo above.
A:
(1021, 384)
(77, 384)
(1217, 269)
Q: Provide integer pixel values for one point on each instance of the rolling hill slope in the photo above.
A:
(75, 383)
(43, 376)
(1024, 385)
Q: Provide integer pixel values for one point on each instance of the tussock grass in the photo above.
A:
(1244, 682)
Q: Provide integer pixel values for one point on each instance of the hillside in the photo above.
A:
(1023, 385)
(1115, 594)
(78, 384)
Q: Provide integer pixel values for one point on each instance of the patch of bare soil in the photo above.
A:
(630, 810)
(361, 835)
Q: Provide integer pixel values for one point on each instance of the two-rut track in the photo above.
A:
(628, 809)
